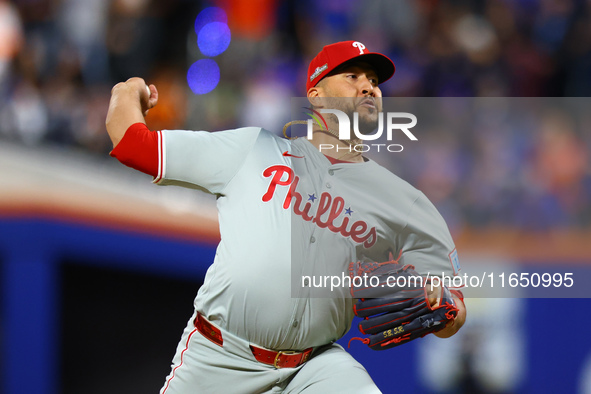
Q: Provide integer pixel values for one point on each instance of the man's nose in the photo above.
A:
(367, 88)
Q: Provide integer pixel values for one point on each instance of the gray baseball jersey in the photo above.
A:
(287, 213)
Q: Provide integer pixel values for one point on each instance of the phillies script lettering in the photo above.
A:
(328, 211)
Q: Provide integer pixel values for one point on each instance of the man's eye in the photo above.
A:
(352, 76)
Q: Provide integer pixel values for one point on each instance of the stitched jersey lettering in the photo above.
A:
(328, 211)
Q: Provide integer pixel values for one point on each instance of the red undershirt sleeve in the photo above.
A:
(138, 149)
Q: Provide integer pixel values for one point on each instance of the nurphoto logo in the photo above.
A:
(393, 123)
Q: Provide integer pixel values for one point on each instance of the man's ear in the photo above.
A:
(314, 94)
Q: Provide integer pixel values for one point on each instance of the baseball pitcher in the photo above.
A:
(289, 214)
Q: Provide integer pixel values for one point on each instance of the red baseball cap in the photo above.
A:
(333, 55)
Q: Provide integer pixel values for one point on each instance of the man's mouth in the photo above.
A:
(368, 102)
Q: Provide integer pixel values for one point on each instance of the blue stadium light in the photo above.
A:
(209, 15)
(214, 38)
(203, 76)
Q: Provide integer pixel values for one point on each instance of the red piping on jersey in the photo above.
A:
(139, 149)
(336, 161)
(174, 370)
(160, 158)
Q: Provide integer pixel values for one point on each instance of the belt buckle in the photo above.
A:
(279, 353)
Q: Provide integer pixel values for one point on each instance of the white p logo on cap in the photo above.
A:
(359, 46)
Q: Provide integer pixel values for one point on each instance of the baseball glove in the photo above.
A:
(394, 302)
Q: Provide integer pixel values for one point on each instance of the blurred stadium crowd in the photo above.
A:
(60, 58)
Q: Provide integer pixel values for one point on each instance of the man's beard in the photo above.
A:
(367, 118)
(368, 123)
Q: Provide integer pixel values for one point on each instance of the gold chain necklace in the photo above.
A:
(352, 142)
